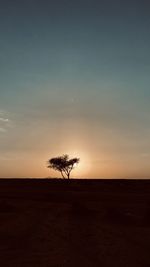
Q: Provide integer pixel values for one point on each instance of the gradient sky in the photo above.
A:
(74, 78)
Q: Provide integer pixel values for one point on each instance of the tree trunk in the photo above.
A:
(62, 175)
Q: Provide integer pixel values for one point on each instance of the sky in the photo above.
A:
(74, 79)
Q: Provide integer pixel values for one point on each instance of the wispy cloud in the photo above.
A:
(5, 122)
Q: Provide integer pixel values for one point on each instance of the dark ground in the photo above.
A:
(56, 223)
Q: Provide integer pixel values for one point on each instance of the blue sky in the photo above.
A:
(74, 78)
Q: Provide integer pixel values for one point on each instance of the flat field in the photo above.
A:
(58, 223)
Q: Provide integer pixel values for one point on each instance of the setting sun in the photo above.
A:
(83, 167)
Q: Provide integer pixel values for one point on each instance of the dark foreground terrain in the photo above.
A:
(56, 223)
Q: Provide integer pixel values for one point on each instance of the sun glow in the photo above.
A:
(83, 167)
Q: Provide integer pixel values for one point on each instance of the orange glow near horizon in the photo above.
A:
(104, 158)
(83, 168)
(91, 165)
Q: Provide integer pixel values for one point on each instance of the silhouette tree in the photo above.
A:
(63, 164)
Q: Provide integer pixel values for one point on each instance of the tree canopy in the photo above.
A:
(63, 164)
